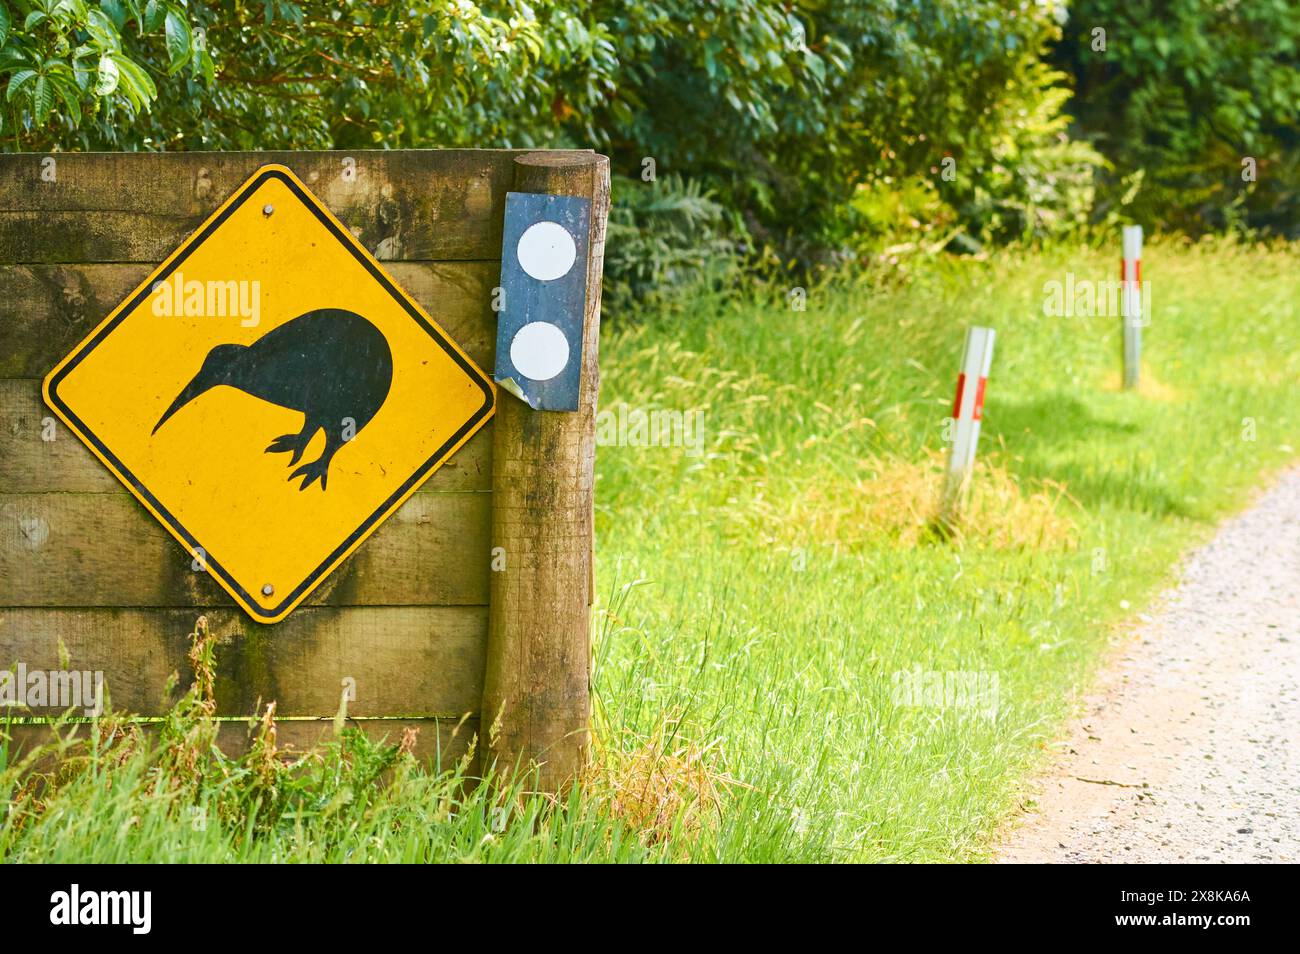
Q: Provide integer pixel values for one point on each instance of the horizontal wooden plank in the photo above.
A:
(31, 464)
(407, 661)
(74, 550)
(440, 743)
(46, 310)
(407, 205)
(190, 183)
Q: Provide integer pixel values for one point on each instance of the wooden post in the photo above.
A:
(536, 702)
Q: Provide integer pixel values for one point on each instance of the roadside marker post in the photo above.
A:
(967, 410)
(1131, 303)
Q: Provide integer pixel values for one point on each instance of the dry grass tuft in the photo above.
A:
(1148, 387)
(663, 787)
(264, 759)
(899, 500)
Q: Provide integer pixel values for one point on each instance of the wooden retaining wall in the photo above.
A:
(407, 617)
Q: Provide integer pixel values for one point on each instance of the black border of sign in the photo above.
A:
(194, 241)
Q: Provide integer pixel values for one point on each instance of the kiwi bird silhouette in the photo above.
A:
(332, 365)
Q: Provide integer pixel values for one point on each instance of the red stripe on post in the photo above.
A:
(979, 398)
(1137, 270)
(961, 386)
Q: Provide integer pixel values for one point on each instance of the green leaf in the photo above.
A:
(13, 59)
(102, 30)
(5, 23)
(42, 99)
(83, 72)
(135, 82)
(133, 7)
(116, 10)
(17, 82)
(66, 87)
(153, 15)
(815, 64)
(108, 76)
(178, 39)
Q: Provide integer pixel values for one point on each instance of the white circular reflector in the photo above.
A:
(546, 251)
(540, 351)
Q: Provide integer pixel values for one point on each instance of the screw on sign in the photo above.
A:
(1131, 303)
(967, 411)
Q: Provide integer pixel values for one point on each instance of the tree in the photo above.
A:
(71, 67)
(783, 109)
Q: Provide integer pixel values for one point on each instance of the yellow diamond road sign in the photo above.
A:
(270, 394)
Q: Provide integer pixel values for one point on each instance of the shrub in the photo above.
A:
(666, 240)
(785, 110)
(1183, 92)
(781, 109)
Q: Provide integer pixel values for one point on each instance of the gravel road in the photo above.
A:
(1189, 749)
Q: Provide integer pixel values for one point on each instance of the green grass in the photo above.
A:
(793, 669)
(759, 597)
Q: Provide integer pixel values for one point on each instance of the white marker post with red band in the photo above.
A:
(1130, 278)
(967, 410)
